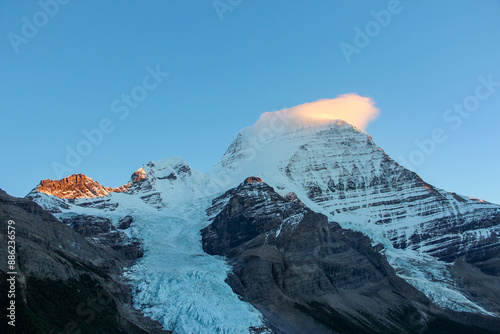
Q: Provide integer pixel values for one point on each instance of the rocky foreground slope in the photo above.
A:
(64, 283)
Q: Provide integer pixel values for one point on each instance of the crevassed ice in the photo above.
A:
(176, 283)
(182, 287)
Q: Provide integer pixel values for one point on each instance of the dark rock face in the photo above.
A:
(308, 275)
(236, 222)
(59, 271)
(479, 283)
(89, 226)
(125, 222)
(101, 231)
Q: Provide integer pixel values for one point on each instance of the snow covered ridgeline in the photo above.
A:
(334, 169)
(338, 170)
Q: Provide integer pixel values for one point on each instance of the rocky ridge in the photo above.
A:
(339, 171)
(308, 275)
(76, 186)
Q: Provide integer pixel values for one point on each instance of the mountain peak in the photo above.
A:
(262, 151)
(138, 175)
(277, 126)
(168, 162)
(76, 186)
(253, 179)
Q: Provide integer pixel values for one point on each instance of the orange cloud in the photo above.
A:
(352, 108)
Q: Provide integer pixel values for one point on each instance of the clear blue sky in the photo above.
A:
(263, 56)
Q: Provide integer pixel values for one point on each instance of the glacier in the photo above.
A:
(182, 287)
(175, 282)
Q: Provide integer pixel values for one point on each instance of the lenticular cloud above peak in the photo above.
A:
(352, 108)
